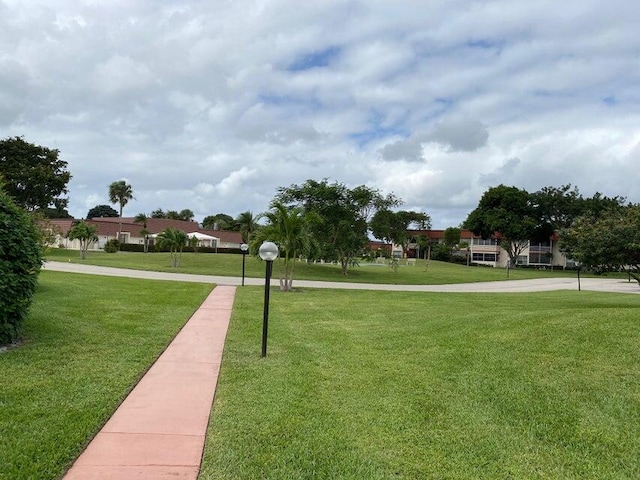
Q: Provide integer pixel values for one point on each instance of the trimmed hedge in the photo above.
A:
(134, 247)
(20, 262)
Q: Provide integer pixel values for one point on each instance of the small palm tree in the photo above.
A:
(288, 227)
(120, 192)
(174, 240)
(85, 233)
(247, 225)
(143, 219)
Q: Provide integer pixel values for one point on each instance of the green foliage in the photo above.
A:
(186, 215)
(611, 241)
(57, 211)
(120, 192)
(112, 245)
(289, 229)
(441, 252)
(85, 234)
(20, 261)
(393, 227)
(159, 213)
(101, 211)
(452, 237)
(246, 224)
(509, 213)
(341, 216)
(219, 221)
(33, 175)
(174, 240)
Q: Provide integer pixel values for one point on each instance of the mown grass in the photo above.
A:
(87, 341)
(436, 273)
(387, 385)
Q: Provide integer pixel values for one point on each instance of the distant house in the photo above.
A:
(107, 229)
(487, 251)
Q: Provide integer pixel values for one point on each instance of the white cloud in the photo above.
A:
(199, 104)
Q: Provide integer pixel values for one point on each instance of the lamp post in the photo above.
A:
(244, 247)
(268, 252)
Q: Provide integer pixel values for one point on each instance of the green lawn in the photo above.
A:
(381, 385)
(88, 339)
(437, 273)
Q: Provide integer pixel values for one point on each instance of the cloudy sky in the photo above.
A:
(211, 105)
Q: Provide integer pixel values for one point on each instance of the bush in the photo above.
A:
(20, 262)
(112, 246)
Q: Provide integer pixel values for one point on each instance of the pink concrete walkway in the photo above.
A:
(159, 430)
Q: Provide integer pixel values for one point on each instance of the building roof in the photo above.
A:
(108, 226)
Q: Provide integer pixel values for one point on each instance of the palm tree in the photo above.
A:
(247, 224)
(120, 192)
(288, 227)
(85, 233)
(143, 219)
(174, 240)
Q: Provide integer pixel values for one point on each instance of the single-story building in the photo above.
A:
(131, 232)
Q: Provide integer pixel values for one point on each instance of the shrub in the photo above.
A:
(112, 246)
(20, 262)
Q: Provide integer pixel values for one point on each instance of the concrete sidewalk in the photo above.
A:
(158, 432)
(602, 284)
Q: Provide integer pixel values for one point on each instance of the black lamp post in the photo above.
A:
(244, 247)
(268, 252)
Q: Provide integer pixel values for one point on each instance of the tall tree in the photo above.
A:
(247, 224)
(219, 221)
(158, 213)
(287, 227)
(557, 207)
(85, 234)
(120, 192)
(508, 213)
(101, 211)
(34, 176)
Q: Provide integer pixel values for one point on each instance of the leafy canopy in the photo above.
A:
(33, 175)
(341, 216)
(608, 241)
(20, 261)
(85, 234)
(101, 211)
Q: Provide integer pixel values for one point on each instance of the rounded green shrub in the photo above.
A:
(112, 246)
(20, 262)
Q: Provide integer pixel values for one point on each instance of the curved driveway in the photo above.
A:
(535, 285)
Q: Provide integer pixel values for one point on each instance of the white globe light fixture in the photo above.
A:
(268, 252)
(244, 248)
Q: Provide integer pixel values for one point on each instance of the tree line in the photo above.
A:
(330, 221)
(599, 232)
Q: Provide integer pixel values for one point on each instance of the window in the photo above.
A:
(485, 241)
(522, 260)
(540, 258)
(484, 257)
(540, 247)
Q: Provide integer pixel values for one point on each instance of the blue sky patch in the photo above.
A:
(318, 59)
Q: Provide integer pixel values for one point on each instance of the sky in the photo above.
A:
(213, 105)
